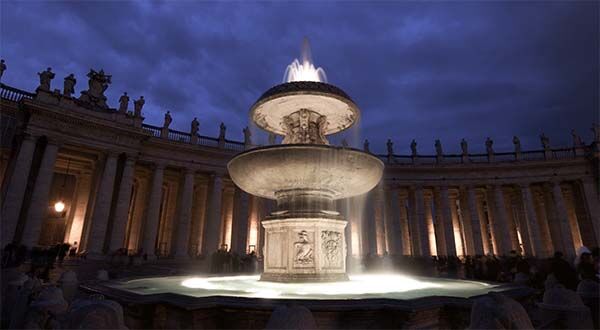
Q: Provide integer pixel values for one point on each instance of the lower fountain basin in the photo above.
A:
(332, 171)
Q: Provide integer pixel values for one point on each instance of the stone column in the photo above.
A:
(533, 228)
(475, 228)
(592, 202)
(447, 219)
(438, 225)
(500, 222)
(150, 226)
(210, 243)
(117, 239)
(38, 207)
(404, 226)
(102, 206)
(184, 221)
(392, 218)
(239, 232)
(13, 200)
(421, 221)
(563, 220)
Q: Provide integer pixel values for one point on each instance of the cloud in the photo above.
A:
(428, 70)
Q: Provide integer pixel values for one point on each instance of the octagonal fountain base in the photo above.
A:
(304, 250)
(375, 301)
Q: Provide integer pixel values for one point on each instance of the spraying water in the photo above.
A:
(303, 69)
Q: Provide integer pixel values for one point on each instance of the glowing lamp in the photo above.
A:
(59, 206)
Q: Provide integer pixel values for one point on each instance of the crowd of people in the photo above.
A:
(225, 261)
(41, 259)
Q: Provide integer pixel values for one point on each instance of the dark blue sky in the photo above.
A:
(423, 70)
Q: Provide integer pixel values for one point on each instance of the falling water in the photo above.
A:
(303, 69)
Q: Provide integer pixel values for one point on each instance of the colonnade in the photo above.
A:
(160, 208)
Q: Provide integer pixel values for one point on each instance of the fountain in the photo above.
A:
(304, 237)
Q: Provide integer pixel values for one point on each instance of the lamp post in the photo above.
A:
(59, 206)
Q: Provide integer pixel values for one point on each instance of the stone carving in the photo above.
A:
(123, 103)
(304, 249)
(222, 129)
(438, 148)
(69, 85)
(247, 136)
(94, 313)
(577, 141)
(137, 106)
(195, 125)
(366, 146)
(545, 141)
(390, 147)
(331, 243)
(45, 79)
(168, 120)
(489, 143)
(413, 148)
(2, 67)
(305, 126)
(464, 147)
(517, 144)
(97, 85)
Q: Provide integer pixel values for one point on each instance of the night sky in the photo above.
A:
(423, 70)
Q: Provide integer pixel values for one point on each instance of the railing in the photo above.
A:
(14, 94)
(153, 130)
(179, 136)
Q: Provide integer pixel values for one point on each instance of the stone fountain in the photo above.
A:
(304, 237)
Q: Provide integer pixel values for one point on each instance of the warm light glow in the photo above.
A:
(59, 206)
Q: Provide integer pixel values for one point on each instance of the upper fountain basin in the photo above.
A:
(333, 171)
(284, 99)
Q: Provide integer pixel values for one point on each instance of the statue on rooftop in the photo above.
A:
(247, 136)
(464, 146)
(438, 148)
(45, 79)
(577, 142)
(413, 148)
(195, 125)
(97, 85)
(222, 129)
(545, 141)
(517, 144)
(137, 106)
(123, 103)
(69, 85)
(390, 147)
(366, 146)
(489, 145)
(2, 67)
(168, 119)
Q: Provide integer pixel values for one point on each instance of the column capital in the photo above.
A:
(55, 141)
(189, 170)
(30, 137)
(130, 161)
(159, 165)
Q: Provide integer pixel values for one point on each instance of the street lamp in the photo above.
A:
(59, 206)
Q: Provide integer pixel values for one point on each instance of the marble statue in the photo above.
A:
(69, 85)
(413, 148)
(390, 147)
(247, 136)
(545, 141)
(517, 144)
(366, 146)
(45, 79)
(577, 142)
(272, 138)
(2, 67)
(438, 148)
(222, 129)
(195, 125)
(464, 146)
(97, 84)
(137, 106)
(489, 145)
(123, 103)
(304, 249)
(168, 120)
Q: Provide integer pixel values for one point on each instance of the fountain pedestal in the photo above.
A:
(304, 250)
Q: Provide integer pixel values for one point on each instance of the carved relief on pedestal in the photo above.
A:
(303, 249)
(331, 245)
